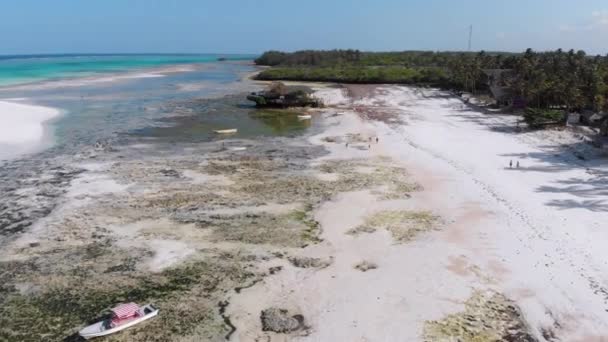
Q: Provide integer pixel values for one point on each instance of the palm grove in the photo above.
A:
(547, 81)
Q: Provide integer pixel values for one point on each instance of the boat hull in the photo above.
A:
(98, 329)
(226, 131)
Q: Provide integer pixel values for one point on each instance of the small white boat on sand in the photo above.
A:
(226, 131)
(304, 117)
(123, 317)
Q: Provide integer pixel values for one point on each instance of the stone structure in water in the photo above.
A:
(280, 95)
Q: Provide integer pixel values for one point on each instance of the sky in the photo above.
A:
(253, 26)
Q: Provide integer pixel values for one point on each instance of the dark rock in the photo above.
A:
(279, 321)
(276, 269)
(305, 262)
(170, 173)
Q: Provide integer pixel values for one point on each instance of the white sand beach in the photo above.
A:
(22, 128)
(532, 234)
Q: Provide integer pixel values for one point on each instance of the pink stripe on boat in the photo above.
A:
(125, 310)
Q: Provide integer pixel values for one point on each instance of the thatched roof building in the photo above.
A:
(497, 82)
(280, 95)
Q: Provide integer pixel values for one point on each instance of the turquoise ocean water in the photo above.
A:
(21, 69)
(180, 107)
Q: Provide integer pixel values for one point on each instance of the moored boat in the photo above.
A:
(304, 117)
(226, 131)
(123, 317)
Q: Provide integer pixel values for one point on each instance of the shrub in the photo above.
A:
(537, 118)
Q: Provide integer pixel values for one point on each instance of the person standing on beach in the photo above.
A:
(511, 164)
(377, 140)
(517, 164)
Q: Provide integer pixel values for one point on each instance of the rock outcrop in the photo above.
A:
(280, 321)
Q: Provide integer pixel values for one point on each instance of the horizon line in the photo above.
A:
(68, 54)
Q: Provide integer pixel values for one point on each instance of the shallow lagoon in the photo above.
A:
(181, 106)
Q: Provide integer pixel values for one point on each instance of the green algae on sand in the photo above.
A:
(403, 225)
(295, 228)
(187, 296)
(487, 317)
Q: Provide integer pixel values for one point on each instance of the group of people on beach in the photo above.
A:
(511, 164)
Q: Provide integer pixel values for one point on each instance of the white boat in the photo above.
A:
(226, 131)
(304, 117)
(123, 317)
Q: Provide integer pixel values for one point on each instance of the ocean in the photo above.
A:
(19, 69)
(109, 97)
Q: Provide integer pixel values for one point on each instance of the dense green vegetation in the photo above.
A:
(357, 74)
(537, 118)
(355, 57)
(548, 80)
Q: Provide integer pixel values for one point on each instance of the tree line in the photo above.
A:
(558, 79)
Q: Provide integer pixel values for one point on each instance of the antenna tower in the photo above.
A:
(470, 36)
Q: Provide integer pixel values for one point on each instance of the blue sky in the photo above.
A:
(252, 26)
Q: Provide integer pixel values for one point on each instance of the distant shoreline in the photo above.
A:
(99, 78)
(106, 77)
(16, 71)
